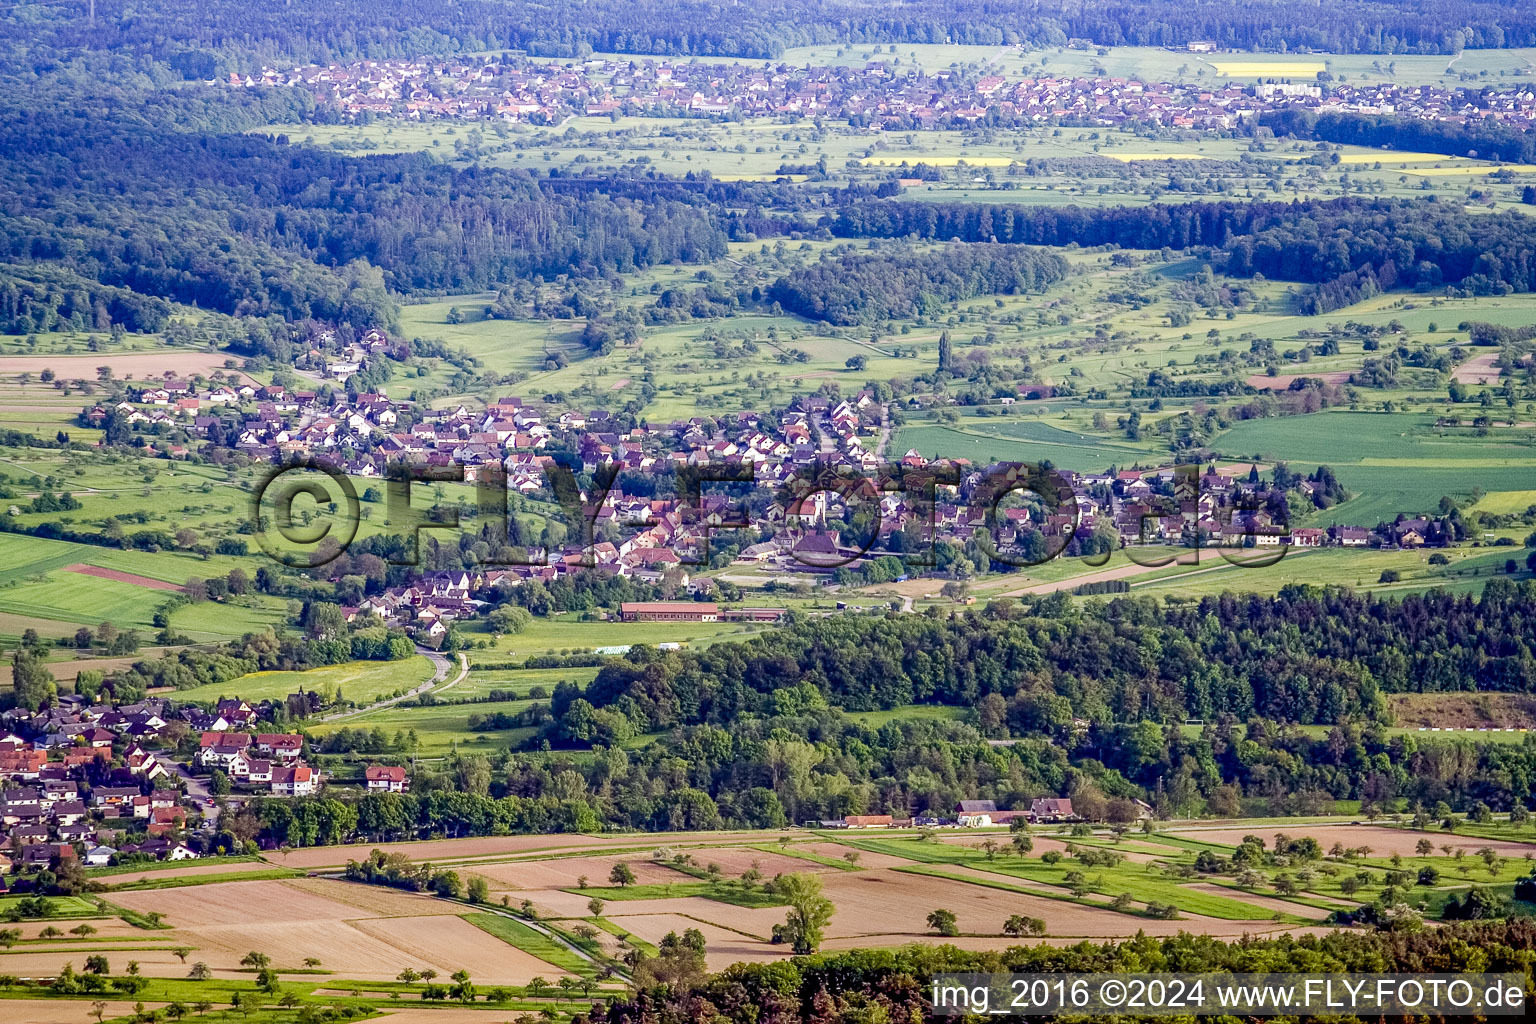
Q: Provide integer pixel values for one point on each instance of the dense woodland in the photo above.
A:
(816, 763)
(854, 288)
(1307, 656)
(251, 226)
(202, 39)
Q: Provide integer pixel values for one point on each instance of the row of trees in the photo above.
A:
(895, 984)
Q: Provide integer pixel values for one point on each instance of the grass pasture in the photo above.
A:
(1392, 462)
(360, 682)
(440, 729)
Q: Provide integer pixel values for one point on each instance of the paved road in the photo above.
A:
(441, 663)
(885, 433)
(198, 790)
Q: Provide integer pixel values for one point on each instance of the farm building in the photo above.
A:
(669, 611)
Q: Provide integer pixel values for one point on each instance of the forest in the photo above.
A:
(810, 763)
(252, 226)
(854, 288)
(205, 39)
(1305, 655)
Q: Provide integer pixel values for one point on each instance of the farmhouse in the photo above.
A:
(1051, 809)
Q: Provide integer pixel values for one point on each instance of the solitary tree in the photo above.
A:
(943, 922)
(809, 910)
(621, 875)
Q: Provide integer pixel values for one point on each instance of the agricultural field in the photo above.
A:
(883, 883)
(359, 682)
(1111, 166)
(361, 933)
(569, 634)
(439, 729)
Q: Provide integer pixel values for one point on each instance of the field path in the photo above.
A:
(1119, 572)
(440, 666)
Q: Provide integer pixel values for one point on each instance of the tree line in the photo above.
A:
(1348, 248)
(205, 40)
(896, 984)
(1483, 140)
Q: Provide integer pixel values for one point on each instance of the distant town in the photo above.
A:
(877, 95)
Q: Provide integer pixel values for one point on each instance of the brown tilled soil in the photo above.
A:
(1464, 710)
(1478, 370)
(359, 932)
(1281, 381)
(566, 872)
(140, 366)
(1382, 840)
(756, 922)
(121, 577)
(64, 1011)
(881, 902)
(722, 947)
